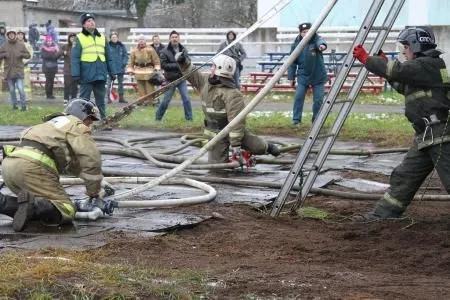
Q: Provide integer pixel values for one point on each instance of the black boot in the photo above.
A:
(25, 211)
(46, 212)
(273, 149)
(121, 99)
(8, 205)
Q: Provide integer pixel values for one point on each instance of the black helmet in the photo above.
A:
(82, 109)
(419, 39)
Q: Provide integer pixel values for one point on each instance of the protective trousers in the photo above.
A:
(407, 177)
(22, 174)
(253, 143)
(144, 87)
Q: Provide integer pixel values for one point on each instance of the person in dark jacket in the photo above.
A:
(12, 54)
(91, 63)
(237, 52)
(70, 87)
(156, 44)
(172, 72)
(423, 80)
(119, 56)
(33, 36)
(3, 38)
(49, 54)
(309, 69)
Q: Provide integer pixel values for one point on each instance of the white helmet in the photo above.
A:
(225, 66)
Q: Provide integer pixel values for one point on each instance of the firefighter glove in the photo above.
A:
(382, 55)
(360, 54)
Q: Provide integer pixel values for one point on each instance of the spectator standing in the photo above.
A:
(91, 63)
(3, 39)
(237, 52)
(119, 56)
(27, 71)
(172, 72)
(51, 30)
(12, 53)
(309, 69)
(70, 87)
(50, 55)
(144, 64)
(33, 36)
(156, 44)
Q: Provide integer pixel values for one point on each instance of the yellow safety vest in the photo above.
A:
(91, 48)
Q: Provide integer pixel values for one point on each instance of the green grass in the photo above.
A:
(314, 213)
(382, 128)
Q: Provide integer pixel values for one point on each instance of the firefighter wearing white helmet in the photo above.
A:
(225, 66)
(423, 80)
(31, 170)
(221, 103)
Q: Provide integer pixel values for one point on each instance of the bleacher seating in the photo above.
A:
(258, 80)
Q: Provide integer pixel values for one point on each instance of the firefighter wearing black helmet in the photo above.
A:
(62, 144)
(423, 80)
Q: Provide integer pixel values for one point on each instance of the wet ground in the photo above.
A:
(249, 254)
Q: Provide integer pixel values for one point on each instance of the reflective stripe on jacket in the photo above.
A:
(30, 154)
(92, 48)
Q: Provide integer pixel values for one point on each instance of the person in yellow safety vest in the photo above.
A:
(144, 64)
(31, 170)
(91, 63)
(27, 69)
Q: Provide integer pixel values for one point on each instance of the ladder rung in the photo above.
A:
(314, 168)
(379, 28)
(326, 135)
(343, 101)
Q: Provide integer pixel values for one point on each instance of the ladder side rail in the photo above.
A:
(347, 106)
(325, 110)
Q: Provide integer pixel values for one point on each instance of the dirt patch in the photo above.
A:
(255, 256)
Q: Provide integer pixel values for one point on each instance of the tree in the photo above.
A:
(141, 8)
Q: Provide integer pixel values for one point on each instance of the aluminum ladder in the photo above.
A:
(298, 168)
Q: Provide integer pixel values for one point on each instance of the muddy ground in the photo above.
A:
(243, 253)
(254, 256)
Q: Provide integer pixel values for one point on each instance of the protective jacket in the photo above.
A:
(143, 62)
(309, 66)
(63, 145)
(424, 82)
(119, 56)
(169, 64)
(90, 57)
(13, 53)
(221, 102)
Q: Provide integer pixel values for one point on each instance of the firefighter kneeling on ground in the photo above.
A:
(221, 103)
(423, 80)
(31, 170)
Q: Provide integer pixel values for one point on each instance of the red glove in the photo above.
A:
(360, 54)
(382, 55)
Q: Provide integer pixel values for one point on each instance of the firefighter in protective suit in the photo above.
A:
(423, 80)
(31, 170)
(221, 103)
